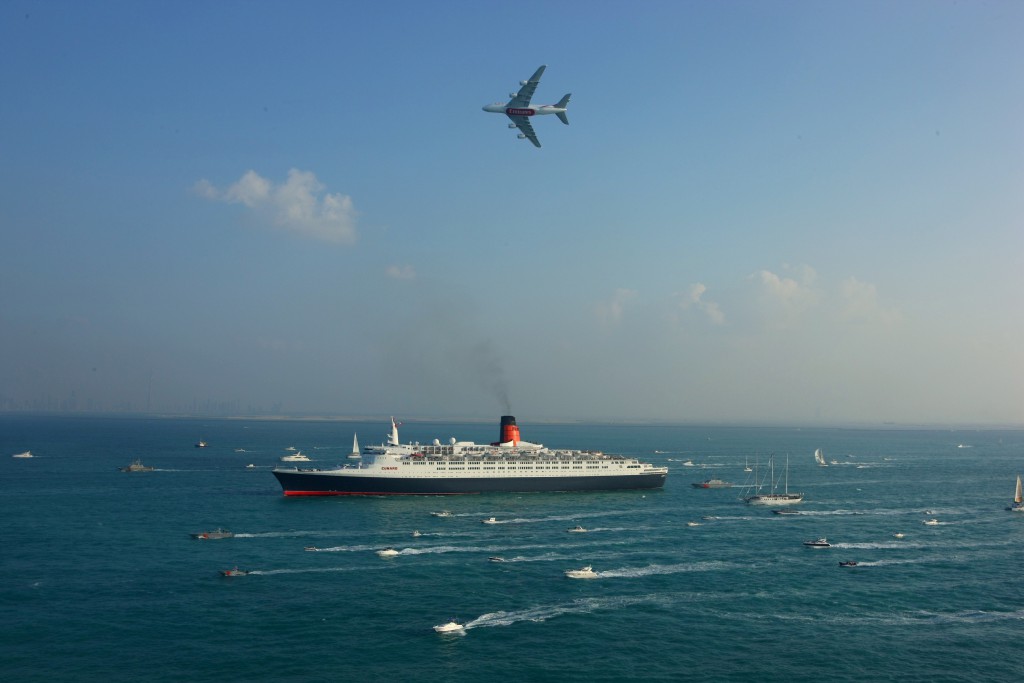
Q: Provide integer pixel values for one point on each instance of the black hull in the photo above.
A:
(298, 483)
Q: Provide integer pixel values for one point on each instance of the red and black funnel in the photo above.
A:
(509, 430)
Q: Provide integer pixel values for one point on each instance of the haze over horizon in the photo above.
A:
(793, 212)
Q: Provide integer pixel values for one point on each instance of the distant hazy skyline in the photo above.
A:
(796, 212)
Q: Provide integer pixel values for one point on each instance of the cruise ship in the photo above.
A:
(459, 467)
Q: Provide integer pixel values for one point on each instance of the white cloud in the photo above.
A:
(401, 272)
(610, 312)
(297, 205)
(860, 303)
(693, 298)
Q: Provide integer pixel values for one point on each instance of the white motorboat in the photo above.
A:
(416, 534)
(931, 522)
(451, 627)
(388, 552)
(693, 524)
(897, 535)
(297, 456)
(577, 530)
(26, 454)
(442, 513)
(584, 573)
(819, 543)
(490, 520)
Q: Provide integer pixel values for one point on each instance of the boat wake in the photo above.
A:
(544, 612)
(661, 569)
(311, 570)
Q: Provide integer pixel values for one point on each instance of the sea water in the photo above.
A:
(101, 580)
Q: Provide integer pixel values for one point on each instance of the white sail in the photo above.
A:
(355, 447)
(1018, 497)
(819, 458)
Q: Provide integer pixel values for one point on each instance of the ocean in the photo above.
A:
(101, 580)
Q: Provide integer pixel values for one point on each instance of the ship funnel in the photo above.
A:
(509, 430)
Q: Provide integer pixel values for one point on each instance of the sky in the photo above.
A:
(787, 212)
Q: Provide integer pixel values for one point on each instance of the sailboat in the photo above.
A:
(746, 465)
(355, 447)
(819, 458)
(775, 498)
(1018, 498)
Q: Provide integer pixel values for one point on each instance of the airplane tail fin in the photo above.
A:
(562, 104)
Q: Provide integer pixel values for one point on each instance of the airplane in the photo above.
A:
(519, 110)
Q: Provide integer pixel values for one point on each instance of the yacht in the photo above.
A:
(26, 454)
(584, 573)
(819, 543)
(297, 456)
(451, 627)
(577, 530)
(388, 552)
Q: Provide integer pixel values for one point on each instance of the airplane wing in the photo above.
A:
(525, 94)
(524, 125)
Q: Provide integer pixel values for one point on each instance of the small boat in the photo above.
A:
(250, 466)
(1016, 506)
(931, 522)
(584, 573)
(785, 511)
(712, 484)
(311, 549)
(851, 563)
(388, 552)
(200, 444)
(136, 466)
(233, 572)
(688, 463)
(897, 535)
(239, 450)
(693, 524)
(451, 627)
(819, 458)
(577, 530)
(355, 447)
(213, 535)
(297, 456)
(496, 558)
(746, 466)
(442, 513)
(26, 454)
(416, 534)
(820, 543)
(490, 520)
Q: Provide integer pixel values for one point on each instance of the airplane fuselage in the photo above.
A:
(536, 110)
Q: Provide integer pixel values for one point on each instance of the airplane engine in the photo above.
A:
(511, 125)
(522, 136)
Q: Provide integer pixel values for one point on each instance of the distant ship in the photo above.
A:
(775, 498)
(26, 454)
(711, 484)
(509, 465)
(201, 444)
(136, 466)
(214, 535)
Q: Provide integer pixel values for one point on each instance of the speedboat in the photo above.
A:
(932, 522)
(820, 543)
(490, 520)
(851, 563)
(388, 552)
(577, 530)
(233, 572)
(250, 466)
(200, 444)
(711, 484)
(416, 534)
(442, 513)
(584, 573)
(496, 558)
(26, 454)
(213, 535)
(311, 549)
(451, 627)
(897, 535)
(693, 524)
(786, 511)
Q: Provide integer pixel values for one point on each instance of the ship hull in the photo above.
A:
(299, 483)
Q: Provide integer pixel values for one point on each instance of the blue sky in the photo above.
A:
(795, 211)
